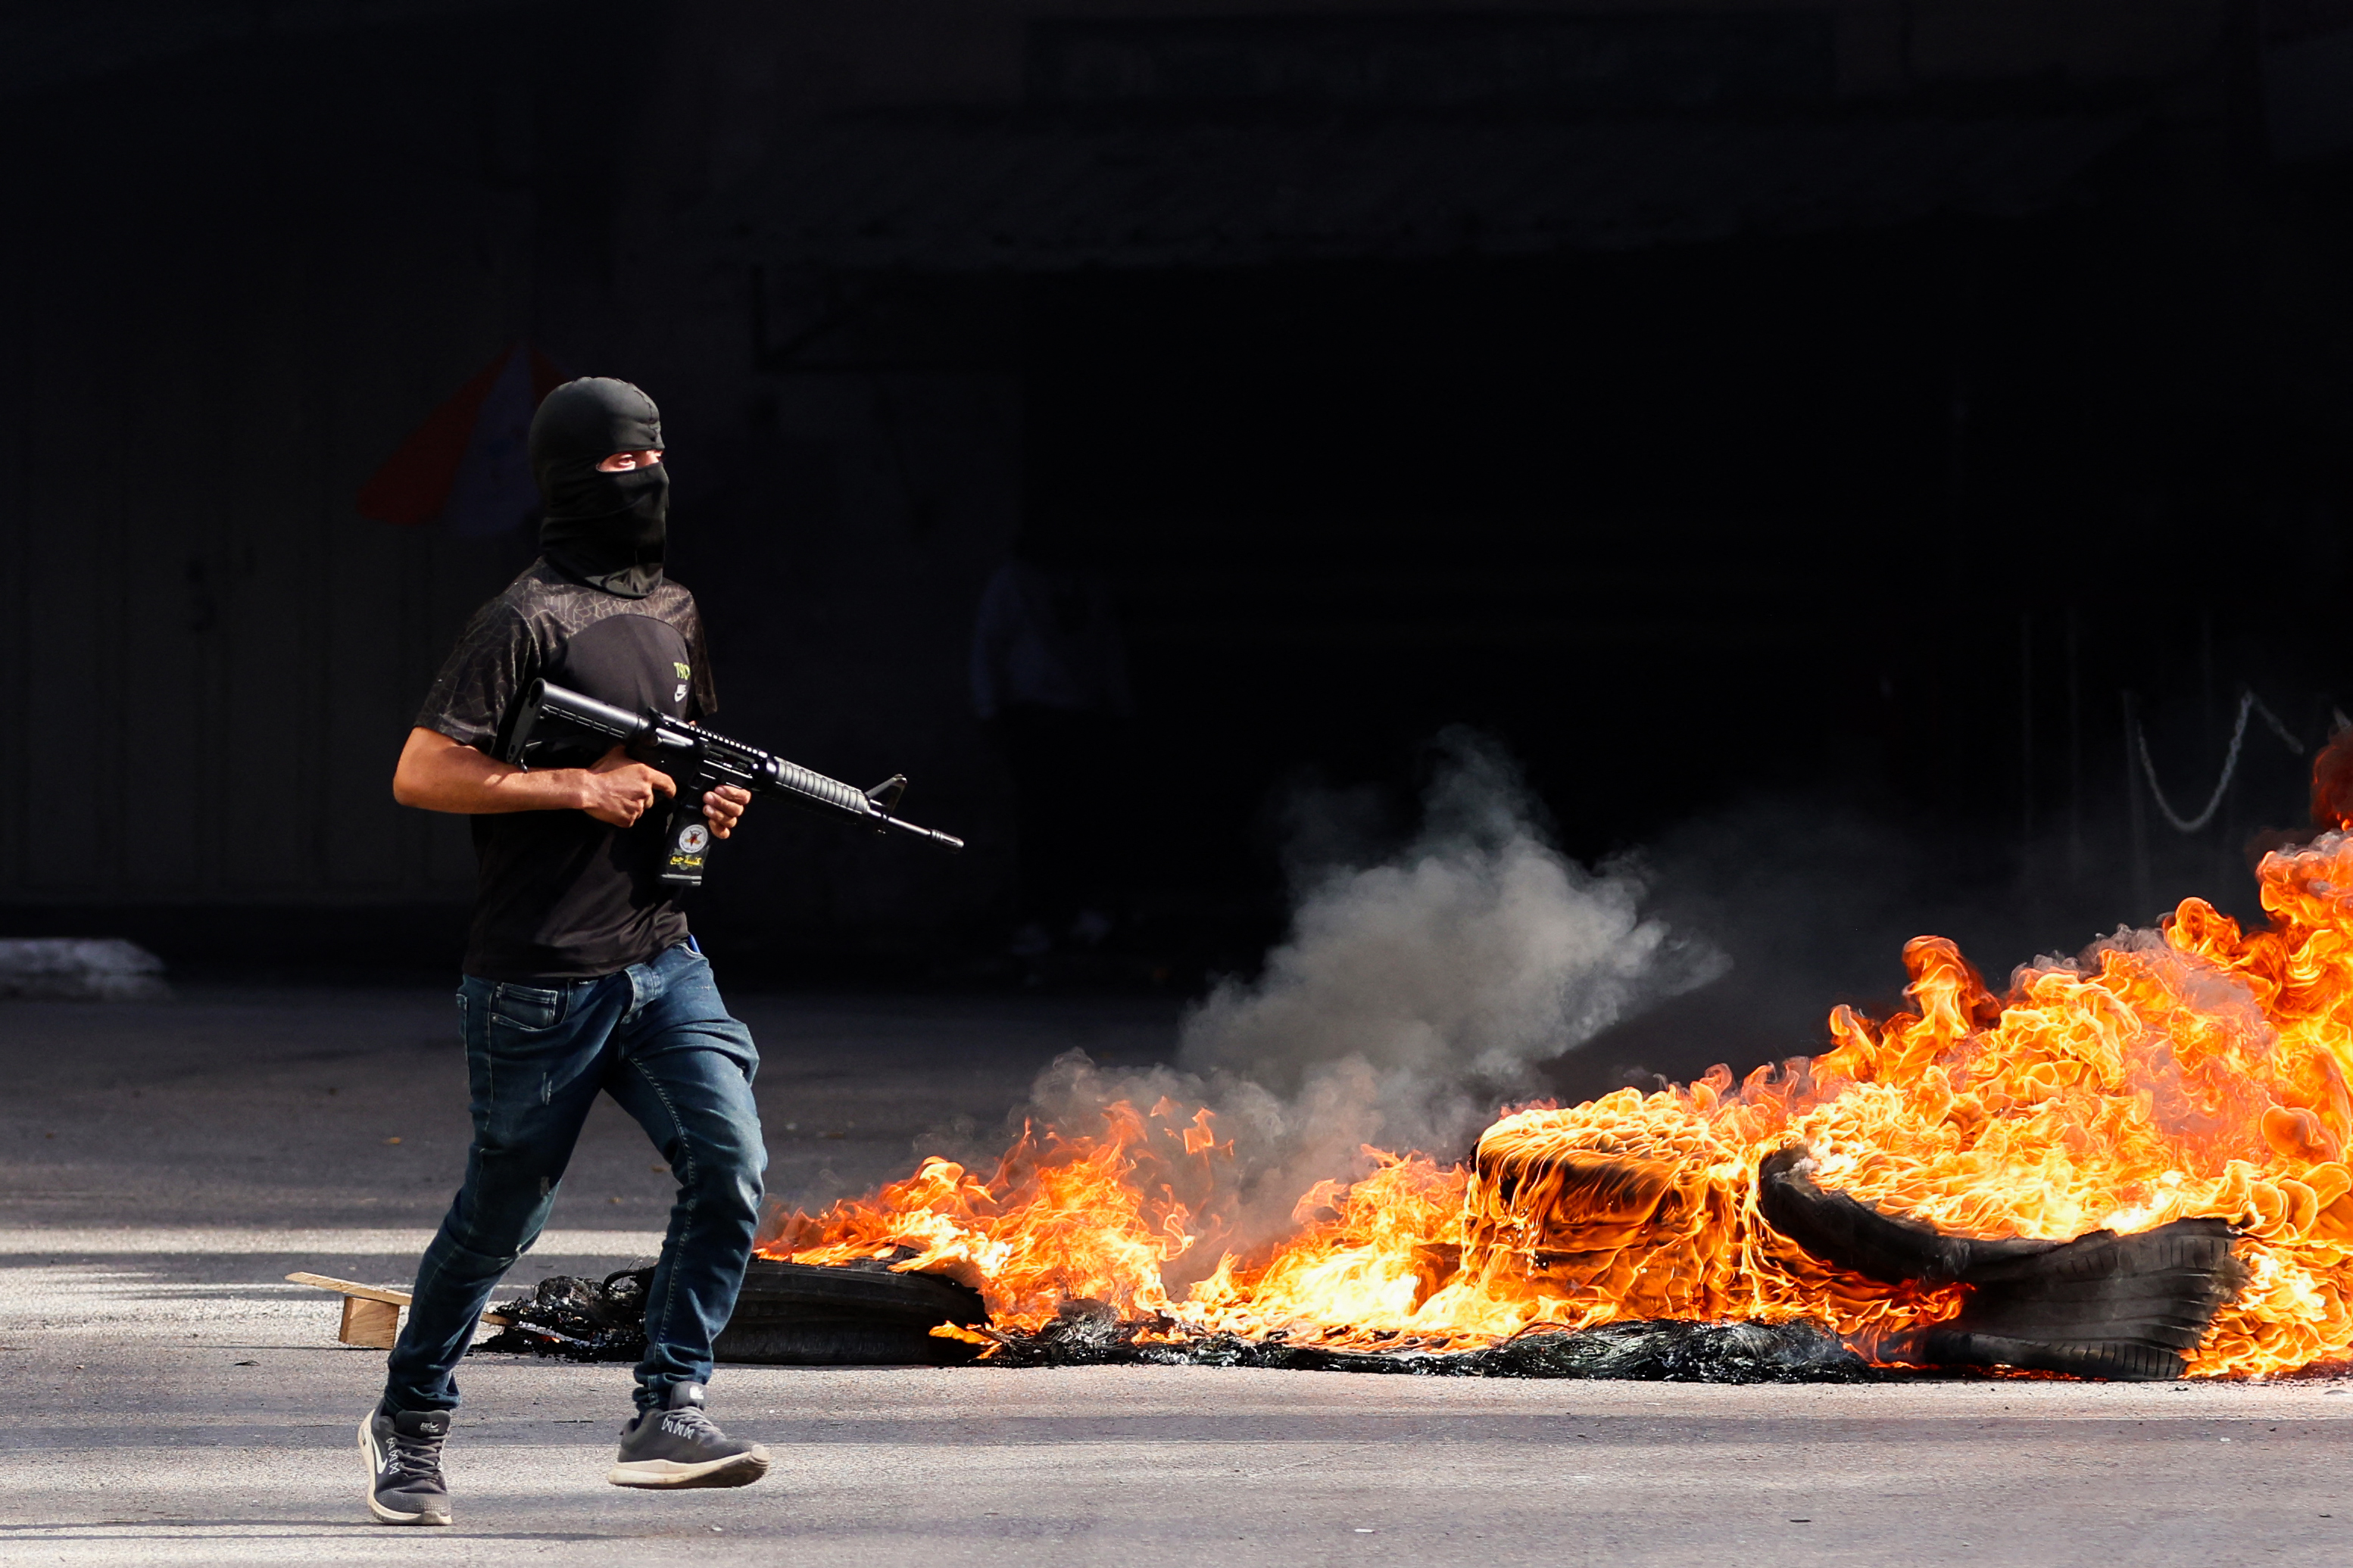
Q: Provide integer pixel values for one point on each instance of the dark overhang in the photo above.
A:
(972, 195)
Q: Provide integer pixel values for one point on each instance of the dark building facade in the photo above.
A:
(1833, 397)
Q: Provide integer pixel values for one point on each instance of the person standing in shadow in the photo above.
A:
(1050, 683)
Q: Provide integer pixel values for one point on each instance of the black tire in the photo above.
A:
(2103, 1305)
(784, 1293)
(819, 1341)
(787, 1314)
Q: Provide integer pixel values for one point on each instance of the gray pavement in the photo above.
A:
(172, 1401)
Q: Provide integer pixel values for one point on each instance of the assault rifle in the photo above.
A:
(698, 761)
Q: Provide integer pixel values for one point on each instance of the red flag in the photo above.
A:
(414, 485)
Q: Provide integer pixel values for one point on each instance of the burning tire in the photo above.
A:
(2103, 1305)
(838, 1343)
(788, 1314)
(868, 1291)
(799, 1314)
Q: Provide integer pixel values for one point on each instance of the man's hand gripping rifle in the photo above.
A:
(696, 762)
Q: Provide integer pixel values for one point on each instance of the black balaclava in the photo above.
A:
(605, 529)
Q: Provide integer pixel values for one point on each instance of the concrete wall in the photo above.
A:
(264, 256)
(227, 299)
(248, 267)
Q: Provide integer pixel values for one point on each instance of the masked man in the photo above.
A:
(580, 976)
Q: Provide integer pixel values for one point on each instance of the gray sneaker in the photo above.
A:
(681, 1446)
(402, 1450)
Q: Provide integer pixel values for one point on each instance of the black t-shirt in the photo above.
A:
(560, 895)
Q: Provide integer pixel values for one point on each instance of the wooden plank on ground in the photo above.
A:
(351, 1289)
(375, 1324)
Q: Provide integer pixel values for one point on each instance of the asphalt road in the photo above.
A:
(171, 1401)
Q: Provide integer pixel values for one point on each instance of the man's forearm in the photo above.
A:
(437, 773)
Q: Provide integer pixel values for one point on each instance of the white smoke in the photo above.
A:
(1412, 997)
(1436, 980)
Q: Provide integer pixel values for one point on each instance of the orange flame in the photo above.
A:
(2198, 1072)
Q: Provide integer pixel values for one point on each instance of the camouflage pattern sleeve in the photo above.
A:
(698, 651)
(495, 658)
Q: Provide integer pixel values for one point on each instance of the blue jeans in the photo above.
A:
(657, 1038)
